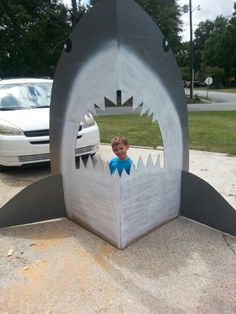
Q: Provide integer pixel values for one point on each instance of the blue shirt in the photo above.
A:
(118, 164)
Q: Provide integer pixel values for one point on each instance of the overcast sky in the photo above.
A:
(210, 9)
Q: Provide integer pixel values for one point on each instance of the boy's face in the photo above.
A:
(120, 151)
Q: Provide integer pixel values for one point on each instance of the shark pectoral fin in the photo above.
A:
(202, 203)
(42, 200)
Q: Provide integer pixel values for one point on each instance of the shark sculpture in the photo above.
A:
(116, 46)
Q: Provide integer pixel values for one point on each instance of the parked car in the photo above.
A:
(199, 84)
(24, 123)
(186, 84)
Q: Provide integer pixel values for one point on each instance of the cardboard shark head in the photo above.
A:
(117, 47)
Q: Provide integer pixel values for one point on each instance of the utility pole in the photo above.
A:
(191, 51)
(74, 12)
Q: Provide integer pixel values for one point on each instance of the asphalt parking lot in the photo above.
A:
(59, 267)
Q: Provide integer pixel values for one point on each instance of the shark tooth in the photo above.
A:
(124, 97)
(112, 97)
(154, 117)
(80, 116)
(140, 165)
(150, 112)
(83, 120)
(87, 114)
(101, 104)
(110, 101)
(99, 165)
(107, 168)
(144, 110)
(132, 169)
(158, 163)
(92, 110)
(124, 174)
(115, 175)
(130, 100)
(89, 165)
(81, 164)
(137, 102)
(150, 163)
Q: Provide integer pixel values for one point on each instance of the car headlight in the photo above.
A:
(6, 128)
(89, 121)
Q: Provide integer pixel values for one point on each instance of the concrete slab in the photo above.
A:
(59, 267)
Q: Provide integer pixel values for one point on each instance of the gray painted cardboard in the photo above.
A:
(117, 46)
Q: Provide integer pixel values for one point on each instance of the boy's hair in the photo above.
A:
(119, 140)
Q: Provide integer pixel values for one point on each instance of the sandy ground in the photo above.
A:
(59, 267)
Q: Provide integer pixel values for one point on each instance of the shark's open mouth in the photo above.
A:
(153, 160)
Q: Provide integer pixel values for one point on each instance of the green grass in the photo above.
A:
(208, 131)
(139, 130)
(213, 131)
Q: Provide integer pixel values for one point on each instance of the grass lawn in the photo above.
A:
(209, 131)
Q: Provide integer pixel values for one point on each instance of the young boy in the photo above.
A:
(120, 147)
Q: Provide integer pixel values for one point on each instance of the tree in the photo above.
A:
(183, 60)
(32, 35)
(32, 32)
(219, 49)
(78, 10)
(215, 49)
(202, 34)
(166, 14)
(183, 55)
(232, 29)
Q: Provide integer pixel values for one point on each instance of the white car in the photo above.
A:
(24, 123)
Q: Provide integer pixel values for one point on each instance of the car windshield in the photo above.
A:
(25, 95)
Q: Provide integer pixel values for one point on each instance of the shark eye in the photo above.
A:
(68, 45)
(166, 45)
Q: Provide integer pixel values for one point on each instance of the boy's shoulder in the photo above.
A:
(114, 160)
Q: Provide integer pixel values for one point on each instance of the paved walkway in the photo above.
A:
(59, 267)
